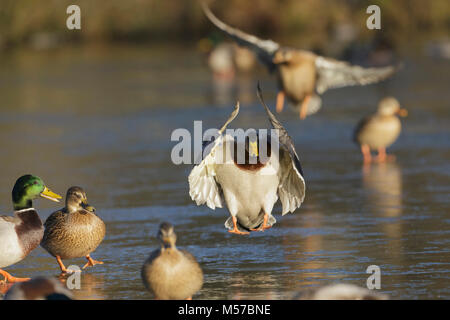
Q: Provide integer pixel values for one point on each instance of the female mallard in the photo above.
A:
(22, 233)
(169, 273)
(74, 231)
(250, 187)
(380, 130)
(39, 289)
(302, 75)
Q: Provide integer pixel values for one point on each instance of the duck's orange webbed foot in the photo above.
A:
(264, 225)
(63, 268)
(14, 279)
(91, 262)
(236, 231)
(9, 278)
(235, 228)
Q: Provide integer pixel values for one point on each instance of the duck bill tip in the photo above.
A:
(50, 195)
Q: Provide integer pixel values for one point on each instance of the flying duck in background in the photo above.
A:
(302, 75)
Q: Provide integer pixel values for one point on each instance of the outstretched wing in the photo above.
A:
(264, 49)
(336, 74)
(203, 187)
(291, 189)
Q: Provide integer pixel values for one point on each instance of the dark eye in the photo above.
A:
(35, 182)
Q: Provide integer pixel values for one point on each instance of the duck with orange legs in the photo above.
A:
(74, 231)
(235, 172)
(380, 130)
(22, 232)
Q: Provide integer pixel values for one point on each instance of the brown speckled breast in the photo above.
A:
(73, 235)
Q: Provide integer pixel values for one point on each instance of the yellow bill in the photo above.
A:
(50, 195)
(254, 149)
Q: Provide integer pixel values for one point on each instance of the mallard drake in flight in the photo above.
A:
(302, 75)
(22, 233)
(340, 291)
(380, 130)
(39, 289)
(169, 273)
(250, 188)
(74, 231)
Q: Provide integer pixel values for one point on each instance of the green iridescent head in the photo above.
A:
(28, 188)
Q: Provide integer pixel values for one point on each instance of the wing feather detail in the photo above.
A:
(203, 187)
(291, 189)
(336, 74)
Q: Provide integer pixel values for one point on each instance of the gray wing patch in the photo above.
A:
(291, 190)
(336, 74)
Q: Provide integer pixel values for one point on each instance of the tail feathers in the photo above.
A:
(271, 220)
(229, 224)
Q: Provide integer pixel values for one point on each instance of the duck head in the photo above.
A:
(390, 106)
(283, 55)
(76, 199)
(167, 235)
(28, 188)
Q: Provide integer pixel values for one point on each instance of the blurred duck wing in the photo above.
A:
(336, 74)
(291, 189)
(264, 49)
(203, 187)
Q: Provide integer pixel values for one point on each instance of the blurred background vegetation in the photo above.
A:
(311, 23)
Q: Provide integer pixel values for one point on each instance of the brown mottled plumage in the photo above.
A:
(73, 231)
(169, 273)
(297, 73)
